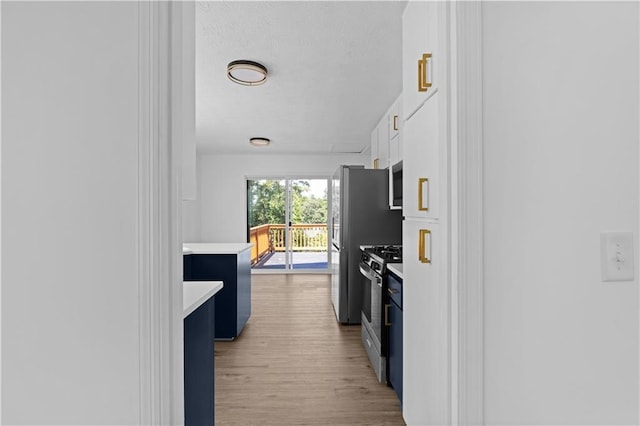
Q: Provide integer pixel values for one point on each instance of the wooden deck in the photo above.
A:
(294, 364)
(300, 260)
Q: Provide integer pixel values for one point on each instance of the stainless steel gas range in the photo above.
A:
(373, 267)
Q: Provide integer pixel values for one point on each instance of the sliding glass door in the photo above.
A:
(287, 223)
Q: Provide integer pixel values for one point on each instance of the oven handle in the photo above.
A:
(366, 271)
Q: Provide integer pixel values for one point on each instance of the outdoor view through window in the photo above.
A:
(287, 223)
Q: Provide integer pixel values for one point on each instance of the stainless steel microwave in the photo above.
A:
(396, 184)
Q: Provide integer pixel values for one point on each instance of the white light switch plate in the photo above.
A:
(616, 251)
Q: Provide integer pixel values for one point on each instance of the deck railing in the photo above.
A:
(271, 237)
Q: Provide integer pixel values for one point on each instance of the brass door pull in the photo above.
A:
(421, 206)
(423, 76)
(422, 243)
(395, 122)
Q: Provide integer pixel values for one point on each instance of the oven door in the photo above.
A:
(372, 299)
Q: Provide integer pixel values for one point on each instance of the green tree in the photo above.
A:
(266, 201)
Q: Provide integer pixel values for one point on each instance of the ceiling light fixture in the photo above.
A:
(247, 73)
(259, 141)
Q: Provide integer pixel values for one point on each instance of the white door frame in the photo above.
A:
(467, 274)
(159, 212)
(160, 254)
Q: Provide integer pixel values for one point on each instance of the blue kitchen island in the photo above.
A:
(199, 378)
(231, 264)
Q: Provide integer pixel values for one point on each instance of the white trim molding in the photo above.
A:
(159, 201)
(468, 192)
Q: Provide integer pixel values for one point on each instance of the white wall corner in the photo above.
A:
(0, 215)
(467, 187)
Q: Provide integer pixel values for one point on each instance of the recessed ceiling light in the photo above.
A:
(259, 141)
(247, 73)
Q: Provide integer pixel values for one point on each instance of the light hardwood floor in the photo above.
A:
(294, 364)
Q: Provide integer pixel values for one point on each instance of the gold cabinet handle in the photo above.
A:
(422, 244)
(376, 163)
(386, 314)
(395, 122)
(421, 200)
(423, 78)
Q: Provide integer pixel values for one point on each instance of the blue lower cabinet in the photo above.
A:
(394, 348)
(186, 268)
(233, 302)
(199, 366)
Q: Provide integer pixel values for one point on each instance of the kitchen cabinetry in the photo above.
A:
(230, 263)
(383, 143)
(394, 351)
(422, 159)
(421, 61)
(425, 159)
(380, 145)
(198, 314)
(394, 117)
(374, 149)
(425, 331)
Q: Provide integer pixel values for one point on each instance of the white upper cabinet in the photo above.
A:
(380, 145)
(393, 115)
(374, 148)
(421, 162)
(383, 143)
(395, 143)
(420, 54)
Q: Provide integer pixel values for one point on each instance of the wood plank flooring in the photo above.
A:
(294, 364)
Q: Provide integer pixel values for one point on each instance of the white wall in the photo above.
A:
(69, 213)
(222, 186)
(191, 220)
(561, 165)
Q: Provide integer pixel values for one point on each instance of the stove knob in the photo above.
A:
(375, 266)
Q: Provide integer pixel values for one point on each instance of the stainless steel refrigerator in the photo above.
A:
(360, 215)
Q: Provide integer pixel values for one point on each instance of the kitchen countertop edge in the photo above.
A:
(215, 248)
(396, 268)
(195, 293)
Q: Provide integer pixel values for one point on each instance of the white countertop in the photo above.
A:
(215, 248)
(185, 250)
(195, 293)
(396, 268)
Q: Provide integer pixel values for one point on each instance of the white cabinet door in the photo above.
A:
(394, 117)
(425, 334)
(420, 53)
(383, 143)
(395, 142)
(395, 150)
(374, 149)
(421, 183)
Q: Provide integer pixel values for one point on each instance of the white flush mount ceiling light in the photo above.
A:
(259, 141)
(247, 73)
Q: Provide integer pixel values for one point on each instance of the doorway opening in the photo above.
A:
(287, 224)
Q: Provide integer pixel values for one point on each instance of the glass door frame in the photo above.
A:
(288, 179)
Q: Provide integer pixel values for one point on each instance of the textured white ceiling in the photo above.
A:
(334, 69)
